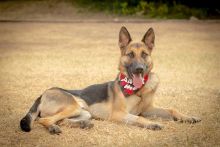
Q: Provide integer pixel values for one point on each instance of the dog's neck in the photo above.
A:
(127, 86)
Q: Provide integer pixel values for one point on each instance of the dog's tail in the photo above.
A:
(32, 114)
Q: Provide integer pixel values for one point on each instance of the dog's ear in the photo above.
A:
(124, 38)
(149, 38)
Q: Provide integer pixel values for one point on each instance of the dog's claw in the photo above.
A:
(194, 120)
(191, 120)
(154, 127)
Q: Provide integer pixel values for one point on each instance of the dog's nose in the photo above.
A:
(139, 69)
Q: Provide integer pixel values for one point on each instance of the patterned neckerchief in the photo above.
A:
(127, 86)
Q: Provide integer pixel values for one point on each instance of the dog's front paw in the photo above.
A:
(154, 127)
(191, 120)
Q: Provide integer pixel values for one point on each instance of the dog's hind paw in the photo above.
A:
(86, 125)
(54, 129)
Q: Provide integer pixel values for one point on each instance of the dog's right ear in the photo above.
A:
(124, 38)
(149, 38)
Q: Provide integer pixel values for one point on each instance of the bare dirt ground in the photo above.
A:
(37, 56)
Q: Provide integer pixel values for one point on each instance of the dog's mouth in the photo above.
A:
(137, 79)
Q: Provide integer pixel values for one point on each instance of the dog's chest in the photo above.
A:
(133, 103)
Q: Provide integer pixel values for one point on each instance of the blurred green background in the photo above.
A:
(155, 8)
(159, 9)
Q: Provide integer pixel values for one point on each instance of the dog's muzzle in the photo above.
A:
(137, 73)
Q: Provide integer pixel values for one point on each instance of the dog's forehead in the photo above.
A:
(137, 45)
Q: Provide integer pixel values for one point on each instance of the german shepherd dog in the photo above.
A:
(127, 99)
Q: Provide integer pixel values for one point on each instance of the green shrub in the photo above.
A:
(142, 8)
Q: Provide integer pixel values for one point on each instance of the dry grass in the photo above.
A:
(37, 56)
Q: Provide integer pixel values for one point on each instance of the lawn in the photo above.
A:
(37, 56)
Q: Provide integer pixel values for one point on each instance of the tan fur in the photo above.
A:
(69, 111)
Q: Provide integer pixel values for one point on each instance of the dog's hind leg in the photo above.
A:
(49, 121)
(82, 121)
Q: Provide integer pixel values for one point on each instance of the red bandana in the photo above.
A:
(127, 85)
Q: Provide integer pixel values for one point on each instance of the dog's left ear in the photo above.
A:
(124, 38)
(149, 38)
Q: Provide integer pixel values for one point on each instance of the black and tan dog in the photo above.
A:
(127, 99)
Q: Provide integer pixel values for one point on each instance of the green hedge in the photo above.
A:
(143, 8)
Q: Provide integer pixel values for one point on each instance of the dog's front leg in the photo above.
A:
(149, 110)
(120, 114)
(170, 114)
(139, 121)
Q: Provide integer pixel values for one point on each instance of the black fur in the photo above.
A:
(92, 94)
(25, 122)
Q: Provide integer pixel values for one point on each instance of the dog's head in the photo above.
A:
(135, 60)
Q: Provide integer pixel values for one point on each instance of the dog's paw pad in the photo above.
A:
(54, 129)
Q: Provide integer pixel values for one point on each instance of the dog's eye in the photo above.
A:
(144, 55)
(131, 55)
